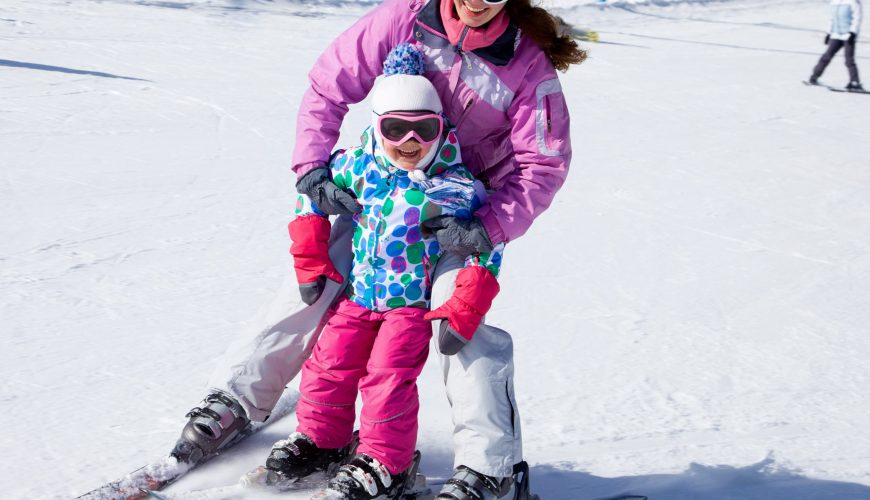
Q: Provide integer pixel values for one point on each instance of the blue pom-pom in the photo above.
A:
(404, 59)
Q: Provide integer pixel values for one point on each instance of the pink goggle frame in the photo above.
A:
(396, 128)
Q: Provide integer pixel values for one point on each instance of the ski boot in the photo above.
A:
(854, 87)
(297, 457)
(468, 484)
(364, 478)
(212, 426)
(813, 80)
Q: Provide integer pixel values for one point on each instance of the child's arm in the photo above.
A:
(476, 288)
(309, 233)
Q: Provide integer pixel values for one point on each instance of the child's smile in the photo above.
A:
(408, 154)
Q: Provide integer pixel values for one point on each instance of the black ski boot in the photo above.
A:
(468, 484)
(212, 426)
(297, 456)
(854, 87)
(364, 478)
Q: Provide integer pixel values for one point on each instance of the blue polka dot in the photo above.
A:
(373, 176)
(380, 291)
(380, 276)
(395, 248)
(434, 247)
(400, 231)
(396, 290)
(414, 290)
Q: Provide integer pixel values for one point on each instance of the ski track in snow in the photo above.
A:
(690, 317)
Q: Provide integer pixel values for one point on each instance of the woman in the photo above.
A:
(494, 66)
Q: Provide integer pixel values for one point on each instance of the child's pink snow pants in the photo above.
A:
(382, 353)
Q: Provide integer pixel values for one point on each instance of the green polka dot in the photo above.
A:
(437, 168)
(406, 279)
(448, 153)
(358, 187)
(430, 211)
(395, 302)
(388, 207)
(415, 252)
(414, 197)
(392, 278)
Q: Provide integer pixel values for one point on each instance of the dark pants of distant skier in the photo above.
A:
(834, 46)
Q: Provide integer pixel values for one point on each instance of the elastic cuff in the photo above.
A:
(493, 228)
(303, 169)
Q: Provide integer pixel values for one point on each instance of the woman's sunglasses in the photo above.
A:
(396, 128)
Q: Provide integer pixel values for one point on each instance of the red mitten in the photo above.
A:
(310, 251)
(476, 288)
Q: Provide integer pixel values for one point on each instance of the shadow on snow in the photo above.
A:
(61, 69)
(764, 480)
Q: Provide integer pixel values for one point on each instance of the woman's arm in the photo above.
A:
(343, 75)
(541, 140)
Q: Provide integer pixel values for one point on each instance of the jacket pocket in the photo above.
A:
(551, 118)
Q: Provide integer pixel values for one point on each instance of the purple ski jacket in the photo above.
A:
(504, 100)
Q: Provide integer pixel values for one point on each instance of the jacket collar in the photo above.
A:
(500, 52)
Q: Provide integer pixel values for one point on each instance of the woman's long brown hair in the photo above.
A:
(545, 30)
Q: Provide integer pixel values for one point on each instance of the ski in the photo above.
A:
(848, 91)
(835, 89)
(143, 482)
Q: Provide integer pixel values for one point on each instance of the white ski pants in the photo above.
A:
(479, 379)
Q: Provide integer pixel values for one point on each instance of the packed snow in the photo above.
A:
(690, 317)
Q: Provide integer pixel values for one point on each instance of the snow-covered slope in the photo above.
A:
(690, 317)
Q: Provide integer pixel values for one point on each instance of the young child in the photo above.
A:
(406, 170)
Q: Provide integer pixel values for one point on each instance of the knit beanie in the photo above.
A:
(403, 87)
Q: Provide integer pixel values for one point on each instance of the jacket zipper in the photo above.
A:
(466, 108)
(547, 111)
(459, 46)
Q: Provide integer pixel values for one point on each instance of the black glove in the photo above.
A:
(852, 37)
(827, 38)
(449, 341)
(460, 236)
(311, 291)
(328, 197)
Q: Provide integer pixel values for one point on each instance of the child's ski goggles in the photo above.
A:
(396, 128)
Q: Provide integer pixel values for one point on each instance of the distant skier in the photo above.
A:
(845, 23)
(407, 170)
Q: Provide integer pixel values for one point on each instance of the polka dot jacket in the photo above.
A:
(393, 258)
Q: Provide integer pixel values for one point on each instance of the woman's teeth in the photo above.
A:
(472, 9)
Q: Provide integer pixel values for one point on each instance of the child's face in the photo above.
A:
(408, 154)
(408, 136)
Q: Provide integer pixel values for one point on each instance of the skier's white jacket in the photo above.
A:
(845, 18)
